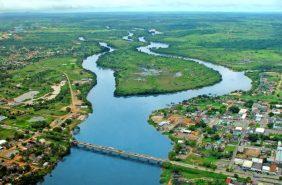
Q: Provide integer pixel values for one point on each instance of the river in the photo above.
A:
(121, 122)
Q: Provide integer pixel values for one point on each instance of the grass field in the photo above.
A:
(195, 176)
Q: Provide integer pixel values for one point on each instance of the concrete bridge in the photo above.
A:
(120, 153)
(158, 161)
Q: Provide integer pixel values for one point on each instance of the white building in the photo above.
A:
(278, 157)
(258, 117)
(2, 142)
(243, 111)
(260, 130)
(163, 123)
(247, 164)
(2, 118)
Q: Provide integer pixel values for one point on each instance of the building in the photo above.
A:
(265, 169)
(247, 164)
(260, 130)
(243, 111)
(258, 117)
(256, 167)
(252, 152)
(278, 157)
(2, 118)
(238, 161)
(2, 142)
(163, 123)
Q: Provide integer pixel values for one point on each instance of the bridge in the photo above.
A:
(120, 153)
(158, 161)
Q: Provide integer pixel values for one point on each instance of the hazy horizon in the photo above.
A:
(140, 6)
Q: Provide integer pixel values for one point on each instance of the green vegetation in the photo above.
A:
(138, 73)
(40, 77)
(194, 175)
(40, 51)
(240, 41)
(202, 161)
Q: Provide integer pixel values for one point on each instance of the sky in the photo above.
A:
(142, 5)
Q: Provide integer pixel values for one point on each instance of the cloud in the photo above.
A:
(141, 5)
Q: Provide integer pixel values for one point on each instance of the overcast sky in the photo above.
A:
(142, 5)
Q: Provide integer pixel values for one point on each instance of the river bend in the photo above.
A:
(121, 122)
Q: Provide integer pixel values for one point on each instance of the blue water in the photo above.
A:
(122, 123)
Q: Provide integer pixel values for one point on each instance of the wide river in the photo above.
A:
(121, 122)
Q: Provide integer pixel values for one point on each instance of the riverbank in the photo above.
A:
(216, 132)
(34, 153)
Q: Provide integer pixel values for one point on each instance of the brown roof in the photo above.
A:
(193, 136)
(273, 167)
(177, 119)
(252, 152)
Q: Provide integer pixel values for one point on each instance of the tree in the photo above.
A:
(271, 114)
(57, 129)
(172, 155)
(234, 109)
(68, 121)
(253, 137)
(249, 103)
(68, 109)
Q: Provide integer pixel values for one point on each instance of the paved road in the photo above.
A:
(259, 177)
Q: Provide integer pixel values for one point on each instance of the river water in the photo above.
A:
(121, 122)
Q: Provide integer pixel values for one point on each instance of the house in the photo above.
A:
(45, 164)
(2, 118)
(239, 129)
(180, 141)
(278, 157)
(177, 119)
(252, 152)
(229, 181)
(257, 160)
(183, 130)
(193, 136)
(265, 169)
(277, 123)
(260, 130)
(278, 106)
(243, 111)
(42, 141)
(273, 168)
(2, 142)
(256, 167)
(247, 164)
(238, 161)
(276, 111)
(258, 117)
(244, 116)
(163, 123)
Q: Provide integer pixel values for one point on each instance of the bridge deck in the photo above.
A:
(121, 153)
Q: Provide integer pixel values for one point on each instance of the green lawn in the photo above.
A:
(6, 133)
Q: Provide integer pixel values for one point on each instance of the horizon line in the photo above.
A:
(137, 11)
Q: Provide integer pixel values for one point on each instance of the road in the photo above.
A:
(246, 125)
(259, 177)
